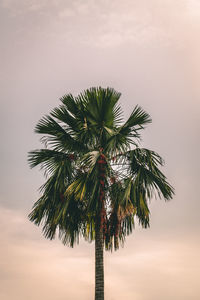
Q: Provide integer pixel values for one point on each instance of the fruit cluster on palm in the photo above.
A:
(98, 178)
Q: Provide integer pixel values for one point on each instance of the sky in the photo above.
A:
(149, 51)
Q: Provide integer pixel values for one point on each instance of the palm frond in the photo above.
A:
(101, 106)
(137, 120)
(144, 165)
(62, 114)
(50, 160)
(57, 137)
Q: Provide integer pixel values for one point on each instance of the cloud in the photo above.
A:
(23, 7)
(103, 23)
(107, 24)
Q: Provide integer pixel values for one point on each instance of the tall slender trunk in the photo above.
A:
(99, 265)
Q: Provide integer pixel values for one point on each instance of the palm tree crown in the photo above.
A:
(95, 170)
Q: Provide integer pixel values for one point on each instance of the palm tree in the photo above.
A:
(98, 178)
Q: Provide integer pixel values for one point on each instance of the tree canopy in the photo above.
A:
(95, 168)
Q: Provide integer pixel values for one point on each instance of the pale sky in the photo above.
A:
(149, 51)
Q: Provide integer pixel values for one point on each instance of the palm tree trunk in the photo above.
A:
(99, 265)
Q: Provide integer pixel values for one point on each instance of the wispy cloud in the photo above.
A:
(102, 23)
(108, 23)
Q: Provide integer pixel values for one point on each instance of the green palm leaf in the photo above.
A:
(57, 137)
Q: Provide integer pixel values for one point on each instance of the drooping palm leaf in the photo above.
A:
(57, 137)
